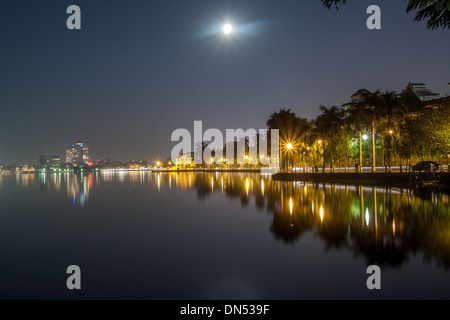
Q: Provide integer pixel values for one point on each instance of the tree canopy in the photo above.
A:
(340, 135)
(435, 12)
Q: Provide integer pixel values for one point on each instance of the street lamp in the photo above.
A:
(289, 148)
(321, 151)
(362, 137)
(391, 132)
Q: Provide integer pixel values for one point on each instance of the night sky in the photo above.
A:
(140, 69)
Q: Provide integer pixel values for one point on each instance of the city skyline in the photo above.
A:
(113, 82)
(416, 96)
(421, 90)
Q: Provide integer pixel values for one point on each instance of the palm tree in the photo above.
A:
(292, 129)
(357, 119)
(329, 126)
(389, 106)
(284, 121)
(371, 103)
(200, 148)
(389, 109)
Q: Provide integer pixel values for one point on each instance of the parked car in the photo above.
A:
(426, 166)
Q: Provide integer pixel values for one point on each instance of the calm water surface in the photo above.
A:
(145, 235)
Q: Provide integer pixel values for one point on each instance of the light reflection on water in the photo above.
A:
(373, 221)
(384, 226)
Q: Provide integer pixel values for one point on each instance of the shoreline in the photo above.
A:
(440, 181)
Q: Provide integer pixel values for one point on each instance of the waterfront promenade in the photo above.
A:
(385, 179)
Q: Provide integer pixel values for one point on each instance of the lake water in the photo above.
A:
(143, 235)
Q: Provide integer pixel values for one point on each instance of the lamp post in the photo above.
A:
(323, 158)
(307, 159)
(360, 153)
(303, 162)
(391, 132)
(289, 147)
(362, 137)
(374, 159)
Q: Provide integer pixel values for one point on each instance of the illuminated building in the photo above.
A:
(52, 161)
(184, 161)
(77, 154)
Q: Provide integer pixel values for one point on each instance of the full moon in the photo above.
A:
(227, 29)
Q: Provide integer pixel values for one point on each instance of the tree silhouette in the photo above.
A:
(293, 130)
(371, 105)
(329, 127)
(435, 12)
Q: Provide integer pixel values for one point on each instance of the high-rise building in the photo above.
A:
(77, 154)
(52, 161)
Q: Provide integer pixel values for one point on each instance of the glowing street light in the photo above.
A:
(391, 132)
(211, 162)
(289, 147)
(246, 157)
(365, 137)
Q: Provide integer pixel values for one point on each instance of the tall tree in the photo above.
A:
(329, 127)
(357, 119)
(293, 131)
(427, 134)
(389, 110)
(371, 103)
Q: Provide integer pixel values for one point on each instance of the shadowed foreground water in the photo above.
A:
(142, 235)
